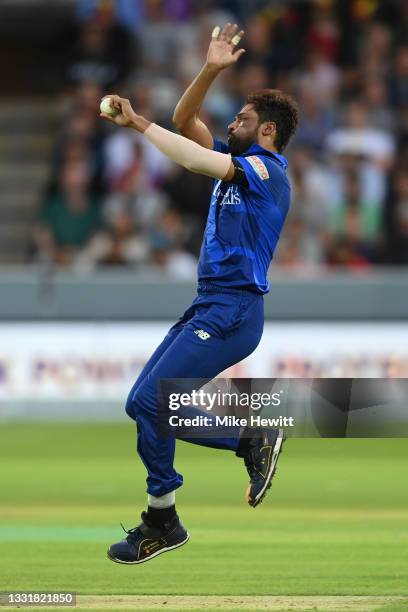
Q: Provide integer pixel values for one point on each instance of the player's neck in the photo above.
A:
(267, 145)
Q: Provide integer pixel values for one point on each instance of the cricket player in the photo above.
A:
(224, 323)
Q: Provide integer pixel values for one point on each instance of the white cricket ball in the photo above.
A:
(107, 108)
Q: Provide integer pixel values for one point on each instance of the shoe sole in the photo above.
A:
(159, 552)
(272, 470)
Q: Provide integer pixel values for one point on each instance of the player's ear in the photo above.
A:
(268, 128)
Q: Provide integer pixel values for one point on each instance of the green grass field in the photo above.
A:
(334, 523)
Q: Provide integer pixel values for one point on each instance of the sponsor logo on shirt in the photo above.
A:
(258, 166)
(231, 195)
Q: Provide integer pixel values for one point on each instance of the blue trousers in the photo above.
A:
(231, 324)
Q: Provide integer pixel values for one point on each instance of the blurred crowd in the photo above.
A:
(113, 199)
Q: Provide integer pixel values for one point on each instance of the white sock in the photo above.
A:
(164, 501)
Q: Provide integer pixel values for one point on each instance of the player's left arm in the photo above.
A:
(181, 150)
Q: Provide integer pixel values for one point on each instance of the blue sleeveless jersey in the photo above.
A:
(244, 224)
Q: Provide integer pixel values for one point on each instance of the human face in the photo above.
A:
(243, 131)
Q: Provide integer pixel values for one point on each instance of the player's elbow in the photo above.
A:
(192, 167)
(179, 121)
(181, 127)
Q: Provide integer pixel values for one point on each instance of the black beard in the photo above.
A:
(237, 147)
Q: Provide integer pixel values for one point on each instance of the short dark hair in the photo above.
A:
(274, 105)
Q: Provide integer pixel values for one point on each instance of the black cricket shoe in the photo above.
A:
(261, 456)
(147, 541)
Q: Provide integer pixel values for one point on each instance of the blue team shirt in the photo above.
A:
(244, 224)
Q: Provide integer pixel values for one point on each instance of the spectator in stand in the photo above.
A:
(316, 121)
(184, 188)
(398, 244)
(101, 52)
(323, 36)
(171, 262)
(168, 238)
(251, 77)
(399, 77)
(344, 253)
(375, 55)
(68, 218)
(402, 135)
(258, 34)
(357, 220)
(297, 248)
(170, 228)
(134, 189)
(119, 243)
(287, 43)
(373, 149)
(312, 193)
(320, 77)
(82, 131)
(158, 40)
(380, 115)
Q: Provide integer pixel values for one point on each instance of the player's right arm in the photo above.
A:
(221, 54)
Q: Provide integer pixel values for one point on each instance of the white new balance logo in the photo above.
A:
(202, 334)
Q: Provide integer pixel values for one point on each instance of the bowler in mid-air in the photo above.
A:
(224, 323)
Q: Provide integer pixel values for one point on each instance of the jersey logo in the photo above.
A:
(230, 194)
(202, 334)
(258, 166)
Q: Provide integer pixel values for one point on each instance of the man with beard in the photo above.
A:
(224, 324)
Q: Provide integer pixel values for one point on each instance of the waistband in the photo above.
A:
(211, 288)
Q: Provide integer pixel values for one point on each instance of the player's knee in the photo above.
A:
(134, 405)
(129, 406)
(142, 403)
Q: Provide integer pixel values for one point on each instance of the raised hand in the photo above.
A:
(222, 51)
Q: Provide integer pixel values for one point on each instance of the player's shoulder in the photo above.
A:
(268, 167)
(219, 146)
